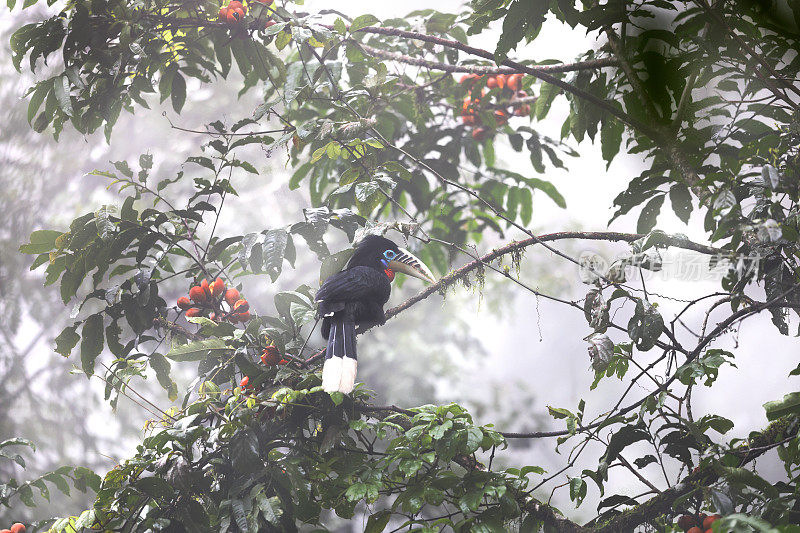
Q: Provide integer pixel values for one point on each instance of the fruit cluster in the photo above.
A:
(208, 297)
(510, 86)
(697, 523)
(270, 357)
(233, 13)
(16, 528)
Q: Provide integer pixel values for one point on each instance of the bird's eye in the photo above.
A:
(389, 254)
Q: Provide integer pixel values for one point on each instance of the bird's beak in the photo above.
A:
(408, 263)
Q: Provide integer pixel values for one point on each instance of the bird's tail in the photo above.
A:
(339, 371)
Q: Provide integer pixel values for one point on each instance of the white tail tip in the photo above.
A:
(332, 374)
(348, 380)
(339, 374)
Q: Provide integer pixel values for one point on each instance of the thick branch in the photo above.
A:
(459, 273)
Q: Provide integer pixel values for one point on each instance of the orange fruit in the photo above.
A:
(232, 296)
(5, 531)
(197, 294)
(223, 14)
(184, 303)
(241, 306)
(695, 529)
(235, 15)
(515, 82)
(245, 382)
(18, 528)
(707, 523)
(217, 288)
(193, 312)
(244, 317)
(492, 83)
(234, 4)
(500, 117)
(271, 356)
(206, 288)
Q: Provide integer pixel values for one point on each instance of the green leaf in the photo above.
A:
(155, 487)
(547, 93)
(790, 404)
(625, 436)
(577, 490)
(647, 219)
(198, 350)
(61, 90)
(67, 340)
(549, 189)
(746, 477)
(377, 522)
(334, 263)
(178, 93)
(91, 342)
(362, 22)
(337, 397)
(611, 138)
(681, 200)
(41, 241)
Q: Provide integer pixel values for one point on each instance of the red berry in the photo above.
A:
(223, 14)
(283, 362)
(710, 520)
(197, 295)
(271, 356)
(18, 528)
(234, 4)
(217, 288)
(695, 529)
(232, 296)
(267, 24)
(184, 303)
(193, 312)
(241, 306)
(245, 382)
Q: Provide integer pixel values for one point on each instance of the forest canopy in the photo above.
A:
(398, 127)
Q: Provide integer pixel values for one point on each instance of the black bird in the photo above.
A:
(355, 296)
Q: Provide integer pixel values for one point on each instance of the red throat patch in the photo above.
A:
(389, 274)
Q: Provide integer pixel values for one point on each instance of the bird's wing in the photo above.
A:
(354, 284)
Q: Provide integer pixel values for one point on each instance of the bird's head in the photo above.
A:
(381, 253)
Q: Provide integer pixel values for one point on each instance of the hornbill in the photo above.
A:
(355, 296)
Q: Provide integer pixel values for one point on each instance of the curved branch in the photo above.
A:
(605, 105)
(482, 70)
